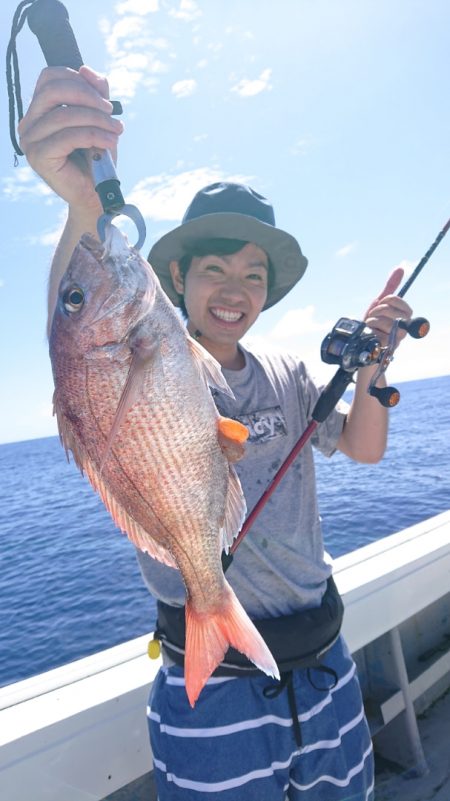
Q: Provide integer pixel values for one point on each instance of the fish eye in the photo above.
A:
(73, 299)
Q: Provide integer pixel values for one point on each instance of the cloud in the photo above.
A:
(297, 323)
(345, 250)
(135, 55)
(141, 7)
(25, 183)
(184, 88)
(166, 197)
(187, 11)
(406, 265)
(301, 146)
(51, 237)
(249, 88)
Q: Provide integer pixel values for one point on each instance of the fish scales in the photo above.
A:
(133, 406)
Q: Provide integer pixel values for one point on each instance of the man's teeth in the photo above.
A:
(228, 316)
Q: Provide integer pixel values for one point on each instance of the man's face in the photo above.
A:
(225, 294)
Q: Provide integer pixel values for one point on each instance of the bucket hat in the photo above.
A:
(231, 211)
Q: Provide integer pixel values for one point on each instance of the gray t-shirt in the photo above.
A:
(279, 567)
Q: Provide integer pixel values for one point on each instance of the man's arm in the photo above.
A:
(79, 222)
(69, 113)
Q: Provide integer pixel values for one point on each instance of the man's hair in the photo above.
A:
(214, 247)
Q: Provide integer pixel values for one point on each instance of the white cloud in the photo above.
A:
(166, 197)
(141, 7)
(184, 88)
(297, 323)
(25, 183)
(407, 266)
(344, 251)
(249, 88)
(187, 11)
(51, 237)
(301, 146)
(135, 55)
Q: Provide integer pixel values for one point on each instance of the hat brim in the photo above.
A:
(287, 259)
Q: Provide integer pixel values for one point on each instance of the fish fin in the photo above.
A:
(142, 362)
(209, 636)
(231, 435)
(126, 523)
(66, 435)
(235, 510)
(208, 367)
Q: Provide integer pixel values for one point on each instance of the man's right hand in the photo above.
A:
(68, 114)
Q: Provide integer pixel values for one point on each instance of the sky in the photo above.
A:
(336, 110)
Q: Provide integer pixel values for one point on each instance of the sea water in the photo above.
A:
(69, 581)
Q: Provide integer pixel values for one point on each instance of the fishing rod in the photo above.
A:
(350, 345)
(49, 21)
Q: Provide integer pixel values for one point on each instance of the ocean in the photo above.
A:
(70, 584)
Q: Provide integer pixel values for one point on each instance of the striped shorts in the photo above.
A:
(239, 744)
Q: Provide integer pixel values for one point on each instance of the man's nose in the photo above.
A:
(232, 289)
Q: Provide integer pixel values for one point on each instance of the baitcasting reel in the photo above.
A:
(352, 345)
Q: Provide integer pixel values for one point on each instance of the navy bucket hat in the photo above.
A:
(231, 211)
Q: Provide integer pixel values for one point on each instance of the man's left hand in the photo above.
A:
(386, 308)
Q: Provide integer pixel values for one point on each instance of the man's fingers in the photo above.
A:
(392, 283)
(96, 80)
(63, 117)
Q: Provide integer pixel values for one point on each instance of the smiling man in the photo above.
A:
(248, 738)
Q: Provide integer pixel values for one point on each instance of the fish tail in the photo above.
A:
(208, 637)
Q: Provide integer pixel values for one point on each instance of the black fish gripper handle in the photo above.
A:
(49, 20)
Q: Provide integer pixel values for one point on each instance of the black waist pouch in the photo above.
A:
(295, 641)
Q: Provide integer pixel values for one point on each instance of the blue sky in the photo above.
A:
(337, 110)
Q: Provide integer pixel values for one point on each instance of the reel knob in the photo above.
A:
(387, 396)
(418, 327)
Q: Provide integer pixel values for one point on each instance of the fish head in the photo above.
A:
(104, 293)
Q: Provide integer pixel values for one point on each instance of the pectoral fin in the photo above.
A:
(145, 352)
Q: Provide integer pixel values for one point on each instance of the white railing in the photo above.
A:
(79, 732)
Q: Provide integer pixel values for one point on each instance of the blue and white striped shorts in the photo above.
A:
(238, 744)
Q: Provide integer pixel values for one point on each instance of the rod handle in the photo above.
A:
(49, 21)
(331, 394)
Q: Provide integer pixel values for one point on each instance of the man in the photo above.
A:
(248, 737)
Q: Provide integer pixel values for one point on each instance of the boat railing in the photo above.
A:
(79, 732)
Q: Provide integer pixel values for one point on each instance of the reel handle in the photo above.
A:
(387, 396)
(418, 327)
(49, 21)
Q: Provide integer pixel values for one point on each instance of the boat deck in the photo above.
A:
(392, 784)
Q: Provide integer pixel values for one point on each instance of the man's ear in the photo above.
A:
(177, 278)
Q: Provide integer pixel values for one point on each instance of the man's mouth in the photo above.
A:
(226, 315)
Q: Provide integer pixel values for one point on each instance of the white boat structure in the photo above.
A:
(79, 732)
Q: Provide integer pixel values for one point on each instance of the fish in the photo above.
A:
(134, 408)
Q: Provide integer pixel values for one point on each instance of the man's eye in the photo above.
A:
(213, 268)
